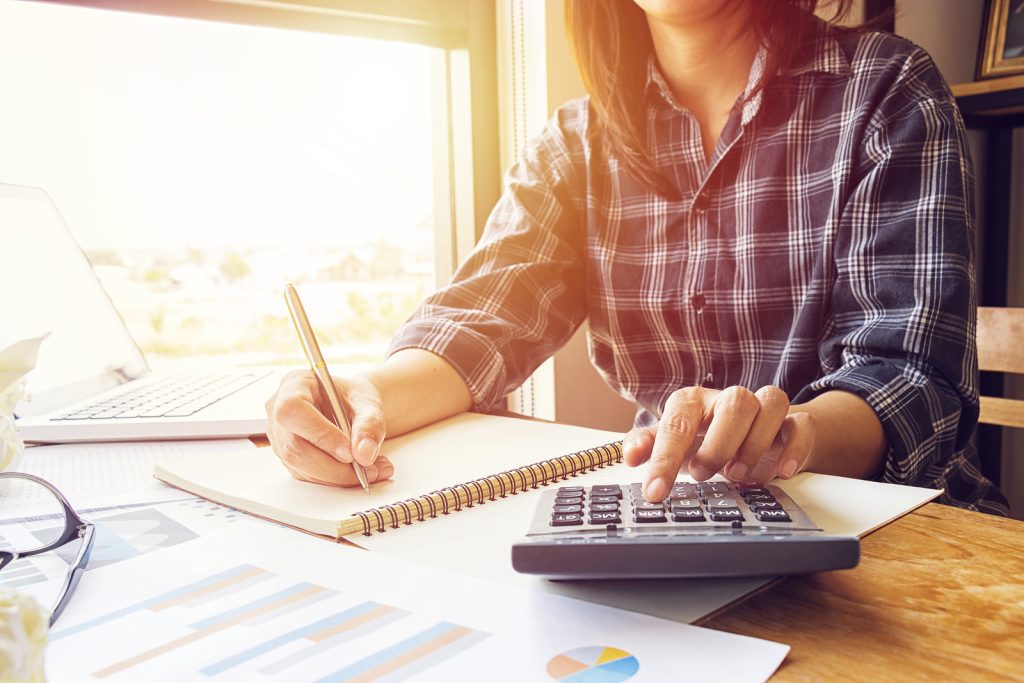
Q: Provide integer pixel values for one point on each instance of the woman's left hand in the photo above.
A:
(750, 436)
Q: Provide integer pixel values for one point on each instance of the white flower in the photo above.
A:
(15, 361)
(23, 627)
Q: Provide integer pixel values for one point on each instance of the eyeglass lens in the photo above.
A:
(37, 508)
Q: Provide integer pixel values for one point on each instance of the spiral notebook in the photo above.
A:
(445, 468)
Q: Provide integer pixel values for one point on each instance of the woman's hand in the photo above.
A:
(311, 446)
(751, 435)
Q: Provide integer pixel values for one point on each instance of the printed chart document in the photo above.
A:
(275, 605)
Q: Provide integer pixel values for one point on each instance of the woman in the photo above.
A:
(767, 222)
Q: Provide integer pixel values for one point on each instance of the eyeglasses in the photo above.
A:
(15, 486)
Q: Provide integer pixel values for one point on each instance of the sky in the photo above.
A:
(155, 132)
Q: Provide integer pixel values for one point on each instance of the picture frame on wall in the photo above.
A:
(1002, 39)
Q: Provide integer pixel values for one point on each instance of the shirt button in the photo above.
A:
(698, 301)
(700, 203)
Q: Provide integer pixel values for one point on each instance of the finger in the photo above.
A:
(308, 462)
(798, 433)
(774, 404)
(684, 413)
(637, 445)
(368, 427)
(733, 412)
(295, 411)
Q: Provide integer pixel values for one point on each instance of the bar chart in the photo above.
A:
(248, 623)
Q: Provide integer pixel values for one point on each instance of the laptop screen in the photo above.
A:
(49, 287)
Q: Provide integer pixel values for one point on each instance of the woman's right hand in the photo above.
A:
(311, 447)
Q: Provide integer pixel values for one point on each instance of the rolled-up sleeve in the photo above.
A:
(520, 295)
(901, 332)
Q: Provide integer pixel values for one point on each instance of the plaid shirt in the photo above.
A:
(826, 245)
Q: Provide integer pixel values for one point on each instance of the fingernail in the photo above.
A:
(788, 469)
(343, 454)
(366, 451)
(700, 472)
(737, 471)
(656, 489)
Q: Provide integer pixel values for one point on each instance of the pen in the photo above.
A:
(323, 376)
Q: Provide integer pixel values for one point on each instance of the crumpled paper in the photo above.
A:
(15, 362)
(23, 627)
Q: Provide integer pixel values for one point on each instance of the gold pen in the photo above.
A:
(323, 376)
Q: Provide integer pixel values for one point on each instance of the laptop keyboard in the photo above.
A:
(174, 396)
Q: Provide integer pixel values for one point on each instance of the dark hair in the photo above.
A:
(612, 45)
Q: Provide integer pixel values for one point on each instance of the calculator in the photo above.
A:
(705, 529)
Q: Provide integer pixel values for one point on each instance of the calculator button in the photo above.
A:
(684, 487)
(752, 498)
(714, 487)
(569, 491)
(766, 505)
(644, 505)
(605, 518)
(716, 495)
(772, 516)
(752, 486)
(726, 515)
(685, 504)
(567, 520)
(692, 495)
(578, 500)
(604, 507)
(688, 515)
(647, 516)
(603, 499)
(716, 503)
(604, 490)
(566, 509)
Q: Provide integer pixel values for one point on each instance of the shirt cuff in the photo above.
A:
(473, 355)
(919, 419)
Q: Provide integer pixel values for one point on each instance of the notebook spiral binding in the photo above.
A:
(478, 491)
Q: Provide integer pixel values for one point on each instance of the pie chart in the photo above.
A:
(597, 664)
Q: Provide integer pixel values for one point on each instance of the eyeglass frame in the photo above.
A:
(74, 528)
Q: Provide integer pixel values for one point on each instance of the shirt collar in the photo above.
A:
(822, 55)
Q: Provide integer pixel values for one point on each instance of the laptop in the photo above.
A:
(91, 381)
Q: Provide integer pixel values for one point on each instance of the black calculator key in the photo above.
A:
(605, 518)
(688, 515)
(566, 509)
(714, 487)
(751, 498)
(752, 486)
(726, 515)
(606, 489)
(773, 516)
(569, 491)
(691, 495)
(648, 516)
(644, 505)
(603, 499)
(716, 495)
(766, 505)
(578, 500)
(685, 504)
(716, 503)
(604, 507)
(570, 519)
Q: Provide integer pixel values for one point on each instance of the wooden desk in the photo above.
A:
(938, 595)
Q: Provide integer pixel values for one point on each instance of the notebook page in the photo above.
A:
(452, 451)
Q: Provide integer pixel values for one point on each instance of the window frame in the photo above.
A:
(465, 135)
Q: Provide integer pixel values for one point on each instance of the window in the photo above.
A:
(203, 164)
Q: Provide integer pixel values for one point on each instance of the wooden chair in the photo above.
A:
(1001, 349)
